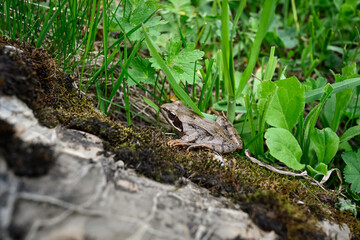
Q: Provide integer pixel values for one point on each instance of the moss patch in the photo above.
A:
(290, 206)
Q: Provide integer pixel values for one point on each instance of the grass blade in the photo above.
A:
(46, 28)
(228, 61)
(123, 71)
(265, 21)
(180, 93)
(237, 16)
(270, 69)
(316, 94)
(151, 104)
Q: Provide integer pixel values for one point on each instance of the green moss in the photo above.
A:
(282, 203)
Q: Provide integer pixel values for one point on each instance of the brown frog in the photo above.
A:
(197, 131)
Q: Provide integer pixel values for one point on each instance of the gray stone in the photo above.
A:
(334, 231)
(77, 200)
(86, 195)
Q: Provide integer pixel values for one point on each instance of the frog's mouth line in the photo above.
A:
(175, 122)
(178, 124)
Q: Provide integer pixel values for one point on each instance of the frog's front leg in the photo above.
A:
(185, 140)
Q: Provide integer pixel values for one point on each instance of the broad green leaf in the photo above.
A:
(181, 62)
(349, 70)
(347, 11)
(350, 133)
(188, 55)
(311, 83)
(266, 92)
(180, 7)
(325, 142)
(352, 169)
(321, 169)
(287, 104)
(345, 146)
(129, 18)
(355, 196)
(288, 37)
(284, 147)
(141, 71)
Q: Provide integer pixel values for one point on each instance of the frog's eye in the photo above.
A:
(172, 115)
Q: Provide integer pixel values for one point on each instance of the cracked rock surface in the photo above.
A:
(84, 194)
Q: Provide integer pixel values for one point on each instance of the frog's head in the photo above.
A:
(172, 114)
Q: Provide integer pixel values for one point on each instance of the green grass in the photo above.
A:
(212, 54)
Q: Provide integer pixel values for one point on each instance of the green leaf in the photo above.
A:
(349, 70)
(151, 104)
(310, 121)
(316, 94)
(287, 104)
(344, 205)
(350, 133)
(342, 100)
(347, 11)
(325, 142)
(284, 147)
(188, 54)
(181, 62)
(352, 169)
(221, 106)
(353, 195)
(126, 20)
(311, 83)
(141, 71)
(271, 66)
(327, 114)
(288, 37)
(177, 89)
(140, 11)
(180, 7)
(266, 92)
(321, 169)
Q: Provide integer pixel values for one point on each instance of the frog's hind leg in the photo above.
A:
(233, 134)
(221, 148)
